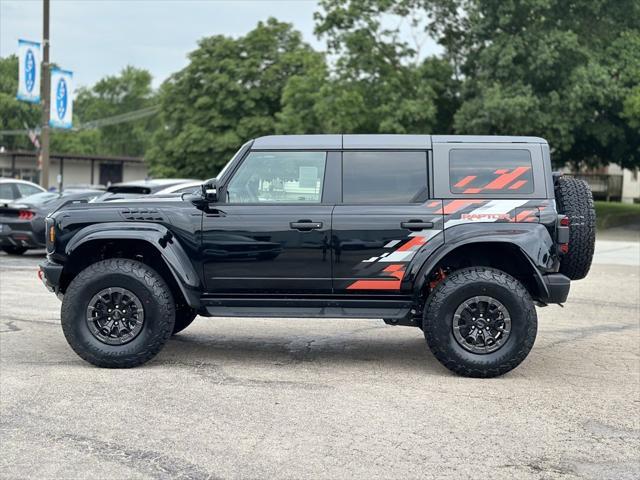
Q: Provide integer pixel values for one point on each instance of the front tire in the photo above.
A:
(117, 313)
(480, 322)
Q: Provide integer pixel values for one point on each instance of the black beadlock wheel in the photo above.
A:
(575, 200)
(480, 322)
(117, 313)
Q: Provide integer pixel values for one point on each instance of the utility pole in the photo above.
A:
(46, 99)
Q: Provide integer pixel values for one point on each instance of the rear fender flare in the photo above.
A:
(532, 239)
(154, 234)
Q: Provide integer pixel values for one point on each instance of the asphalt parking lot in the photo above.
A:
(269, 398)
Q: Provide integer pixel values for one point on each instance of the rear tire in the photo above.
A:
(11, 250)
(140, 289)
(575, 200)
(507, 349)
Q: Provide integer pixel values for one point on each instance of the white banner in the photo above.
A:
(28, 71)
(61, 98)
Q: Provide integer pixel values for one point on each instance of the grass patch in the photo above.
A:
(614, 214)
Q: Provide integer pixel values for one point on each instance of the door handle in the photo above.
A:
(305, 225)
(415, 225)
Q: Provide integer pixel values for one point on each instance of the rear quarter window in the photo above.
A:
(489, 171)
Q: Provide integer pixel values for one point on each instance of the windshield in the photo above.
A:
(226, 167)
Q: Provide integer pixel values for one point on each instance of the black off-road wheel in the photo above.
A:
(11, 250)
(185, 316)
(575, 200)
(118, 313)
(480, 322)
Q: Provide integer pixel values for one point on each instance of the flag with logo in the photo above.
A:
(61, 111)
(28, 71)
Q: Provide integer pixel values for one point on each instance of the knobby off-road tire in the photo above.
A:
(154, 297)
(575, 200)
(185, 315)
(14, 250)
(461, 286)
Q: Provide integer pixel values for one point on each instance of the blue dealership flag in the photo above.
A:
(61, 112)
(28, 71)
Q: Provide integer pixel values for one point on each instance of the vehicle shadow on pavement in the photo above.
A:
(341, 348)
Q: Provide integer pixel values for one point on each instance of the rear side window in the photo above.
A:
(384, 177)
(504, 171)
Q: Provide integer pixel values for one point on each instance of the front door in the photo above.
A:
(271, 234)
(384, 220)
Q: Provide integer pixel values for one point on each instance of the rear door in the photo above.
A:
(384, 219)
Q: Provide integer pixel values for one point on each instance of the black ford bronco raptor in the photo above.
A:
(461, 236)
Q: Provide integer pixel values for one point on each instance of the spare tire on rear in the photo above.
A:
(575, 200)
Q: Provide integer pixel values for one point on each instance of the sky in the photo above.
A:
(95, 38)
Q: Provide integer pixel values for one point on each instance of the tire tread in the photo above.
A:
(126, 359)
(432, 313)
(575, 200)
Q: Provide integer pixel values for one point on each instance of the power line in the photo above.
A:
(94, 124)
(122, 118)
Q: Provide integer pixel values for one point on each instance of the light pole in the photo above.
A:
(46, 99)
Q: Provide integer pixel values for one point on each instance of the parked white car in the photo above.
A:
(181, 188)
(12, 189)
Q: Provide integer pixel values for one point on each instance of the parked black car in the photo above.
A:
(459, 236)
(22, 225)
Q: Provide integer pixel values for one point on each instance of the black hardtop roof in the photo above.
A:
(377, 141)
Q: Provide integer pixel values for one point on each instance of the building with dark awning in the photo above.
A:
(71, 169)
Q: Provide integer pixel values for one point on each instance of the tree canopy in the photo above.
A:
(113, 95)
(566, 70)
(231, 91)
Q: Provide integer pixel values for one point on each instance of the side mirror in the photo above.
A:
(210, 191)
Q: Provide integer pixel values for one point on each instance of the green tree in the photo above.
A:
(130, 91)
(566, 70)
(380, 82)
(114, 95)
(14, 114)
(561, 69)
(231, 91)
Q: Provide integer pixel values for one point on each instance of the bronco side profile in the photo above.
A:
(461, 236)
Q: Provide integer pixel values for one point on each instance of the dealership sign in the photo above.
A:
(61, 111)
(28, 71)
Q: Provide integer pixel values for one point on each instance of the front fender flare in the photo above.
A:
(154, 234)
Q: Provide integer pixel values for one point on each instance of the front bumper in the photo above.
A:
(50, 273)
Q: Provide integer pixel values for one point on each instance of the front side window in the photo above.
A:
(278, 177)
(384, 177)
(481, 171)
